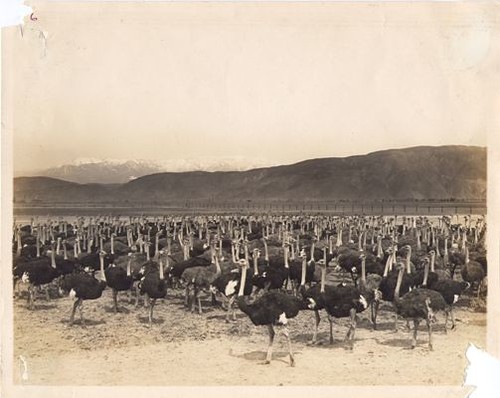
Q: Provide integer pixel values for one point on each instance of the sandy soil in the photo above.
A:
(191, 349)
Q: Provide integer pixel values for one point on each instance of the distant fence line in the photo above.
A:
(199, 207)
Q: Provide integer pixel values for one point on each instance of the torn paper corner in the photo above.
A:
(483, 373)
(12, 12)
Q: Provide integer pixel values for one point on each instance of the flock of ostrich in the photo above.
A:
(270, 267)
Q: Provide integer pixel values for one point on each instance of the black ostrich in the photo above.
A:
(341, 302)
(36, 273)
(118, 279)
(472, 272)
(228, 285)
(153, 284)
(388, 285)
(418, 304)
(451, 291)
(272, 309)
(368, 286)
(313, 299)
(82, 286)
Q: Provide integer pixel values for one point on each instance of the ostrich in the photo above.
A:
(228, 284)
(82, 286)
(340, 302)
(451, 291)
(36, 273)
(271, 309)
(202, 279)
(418, 304)
(118, 279)
(369, 288)
(153, 284)
(472, 271)
(313, 299)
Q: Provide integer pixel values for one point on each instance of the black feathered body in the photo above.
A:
(117, 278)
(449, 289)
(152, 284)
(413, 304)
(272, 308)
(339, 300)
(85, 286)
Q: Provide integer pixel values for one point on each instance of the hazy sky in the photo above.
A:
(283, 82)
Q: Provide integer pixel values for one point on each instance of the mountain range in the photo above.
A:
(115, 171)
(412, 173)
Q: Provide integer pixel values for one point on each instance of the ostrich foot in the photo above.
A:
(292, 362)
(266, 362)
(315, 343)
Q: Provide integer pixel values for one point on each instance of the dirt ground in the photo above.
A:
(190, 349)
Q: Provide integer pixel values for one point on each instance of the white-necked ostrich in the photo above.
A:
(417, 304)
(118, 279)
(271, 309)
(153, 284)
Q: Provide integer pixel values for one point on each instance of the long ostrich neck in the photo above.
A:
(246, 252)
(426, 273)
(266, 251)
(58, 248)
(398, 284)
(445, 246)
(242, 280)
(364, 239)
(146, 249)
(255, 263)
(312, 250)
(218, 270)
(112, 244)
(65, 251)
(324, 255)
(303, 274)
(162, 276)
(408, 265)
(419, 244)
(360, 242)
(330, 244)
(128, 265)
(285, 255)
(37, 246)
(433, 260)
(387, 265)
(323, 278)
(379, 246)
(53, 257)
(363, 270)
(466, 255)
(233, 251)
(101, 262)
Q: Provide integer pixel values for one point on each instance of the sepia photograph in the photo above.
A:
(248, 194)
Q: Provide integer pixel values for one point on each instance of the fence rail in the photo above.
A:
(198, 207)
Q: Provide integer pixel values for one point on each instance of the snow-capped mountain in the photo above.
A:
(110, 171)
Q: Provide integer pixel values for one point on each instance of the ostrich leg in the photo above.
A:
(230, 308)
(374, 308)
(352, 327)
(80, 309)
(115, 300)
(330, 319)
(416, 322)
(151, 306)
(287, 335)
(452, 313)
(270, 347)
(75, 306)
(47, 295)
(31, 298)
(429, 328)
(317, 320)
